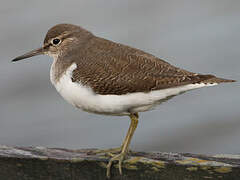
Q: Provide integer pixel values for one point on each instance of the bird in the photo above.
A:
(104, 77)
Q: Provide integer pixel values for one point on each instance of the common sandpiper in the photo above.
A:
(104, 77)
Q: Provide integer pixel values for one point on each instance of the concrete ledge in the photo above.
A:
(39, 163)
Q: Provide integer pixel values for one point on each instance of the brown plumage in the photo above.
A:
(112, 68)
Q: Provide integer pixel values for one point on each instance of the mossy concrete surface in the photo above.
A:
(39, 163)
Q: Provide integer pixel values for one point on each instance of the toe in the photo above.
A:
(120, 167)
(120, 157)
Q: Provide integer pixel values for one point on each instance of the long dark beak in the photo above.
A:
(30, 54)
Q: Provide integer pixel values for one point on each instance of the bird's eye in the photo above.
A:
(56, 41)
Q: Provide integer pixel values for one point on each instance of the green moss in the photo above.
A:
(102, 164)
(223, 169)
(75, 160)
(192, 168)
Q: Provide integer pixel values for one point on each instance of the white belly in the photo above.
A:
(84, 97)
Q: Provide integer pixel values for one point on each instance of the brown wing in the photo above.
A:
(111, 68)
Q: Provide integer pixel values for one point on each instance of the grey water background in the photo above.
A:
(200, 36)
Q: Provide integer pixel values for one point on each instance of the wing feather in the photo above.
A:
(112, 68)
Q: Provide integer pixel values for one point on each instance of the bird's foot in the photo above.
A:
(119, 157)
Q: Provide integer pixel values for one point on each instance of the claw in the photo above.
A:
(120, 166)
(120, 157)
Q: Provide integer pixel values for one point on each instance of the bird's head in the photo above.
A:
(59, 39)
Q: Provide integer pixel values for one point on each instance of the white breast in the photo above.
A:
(84, 97)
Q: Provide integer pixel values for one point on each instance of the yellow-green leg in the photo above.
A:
(120, 157)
